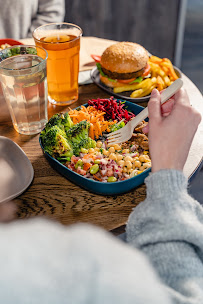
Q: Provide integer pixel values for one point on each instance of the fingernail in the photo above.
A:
(154, 92)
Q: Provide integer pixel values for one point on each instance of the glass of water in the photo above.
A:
(24, 81)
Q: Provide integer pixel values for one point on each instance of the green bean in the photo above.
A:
(94, 169)
(79, 163)
(111, 179)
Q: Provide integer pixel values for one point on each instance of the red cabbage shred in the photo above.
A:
(114, 110)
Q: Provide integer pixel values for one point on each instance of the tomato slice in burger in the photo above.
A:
(126, 80)
(146, 70)
(96, 58)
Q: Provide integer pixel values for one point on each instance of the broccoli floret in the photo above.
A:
(78, 135)
(31, 51)
(61, 138)
(56, 143)
(62, 120)
(78, 146)
(91, 143)
(67, 121)
(78, 131)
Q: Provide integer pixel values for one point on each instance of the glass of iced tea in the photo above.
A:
(62, 42)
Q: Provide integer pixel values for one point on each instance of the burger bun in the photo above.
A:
(124, 57)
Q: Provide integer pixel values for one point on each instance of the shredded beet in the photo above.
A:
(114, 110)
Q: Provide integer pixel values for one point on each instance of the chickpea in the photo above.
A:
(117, 147)
(125, 151)
(96, 149)
(125, 169)
(91, 150)
(99, 144)
(119, 157)
(141, 168)
(128, 158)
(147, 165)
(144, 158)
(121, 163)
(105, 152)
(128, 164)
(111, 149)
(113, 156)
(137, 164)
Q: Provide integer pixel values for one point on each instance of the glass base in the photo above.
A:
(30, 128)
(62, 103)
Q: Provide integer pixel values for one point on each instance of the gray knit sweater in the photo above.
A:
(18, 18)
(44, 262)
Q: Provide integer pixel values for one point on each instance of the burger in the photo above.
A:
(123, 63)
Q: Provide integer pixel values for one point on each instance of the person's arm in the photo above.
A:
(48, 11)
(168, 225)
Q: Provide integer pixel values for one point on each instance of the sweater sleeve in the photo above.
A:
(48, 11)
(168, 228)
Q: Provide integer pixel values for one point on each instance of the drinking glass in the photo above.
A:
(62, 42)
(24, 83)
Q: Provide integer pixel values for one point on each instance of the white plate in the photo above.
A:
(16, 171)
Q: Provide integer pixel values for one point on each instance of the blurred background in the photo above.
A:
(172, 29)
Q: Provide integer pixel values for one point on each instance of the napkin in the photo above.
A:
(84, 77)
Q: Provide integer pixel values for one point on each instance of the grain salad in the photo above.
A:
(78, 140)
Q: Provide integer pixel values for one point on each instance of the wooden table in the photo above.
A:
(52, 195)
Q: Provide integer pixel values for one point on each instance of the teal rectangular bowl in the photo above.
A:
(96, 186)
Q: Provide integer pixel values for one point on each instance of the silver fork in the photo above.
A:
(126, 132)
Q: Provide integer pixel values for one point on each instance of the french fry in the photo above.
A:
(167, 81)
(146, 87)
(136, 93)
(165, 69)
(161, 73)
(145, 83)
(172, 73)
(132, 87)
(167, 63)
(129, 87)
(155, 59)
(148, 91)
(160, 83)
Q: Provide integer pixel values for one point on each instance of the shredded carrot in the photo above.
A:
(99, 179)
(95, 117)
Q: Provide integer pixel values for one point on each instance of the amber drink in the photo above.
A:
(62, 42)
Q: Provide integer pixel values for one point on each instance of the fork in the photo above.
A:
(126, 132)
